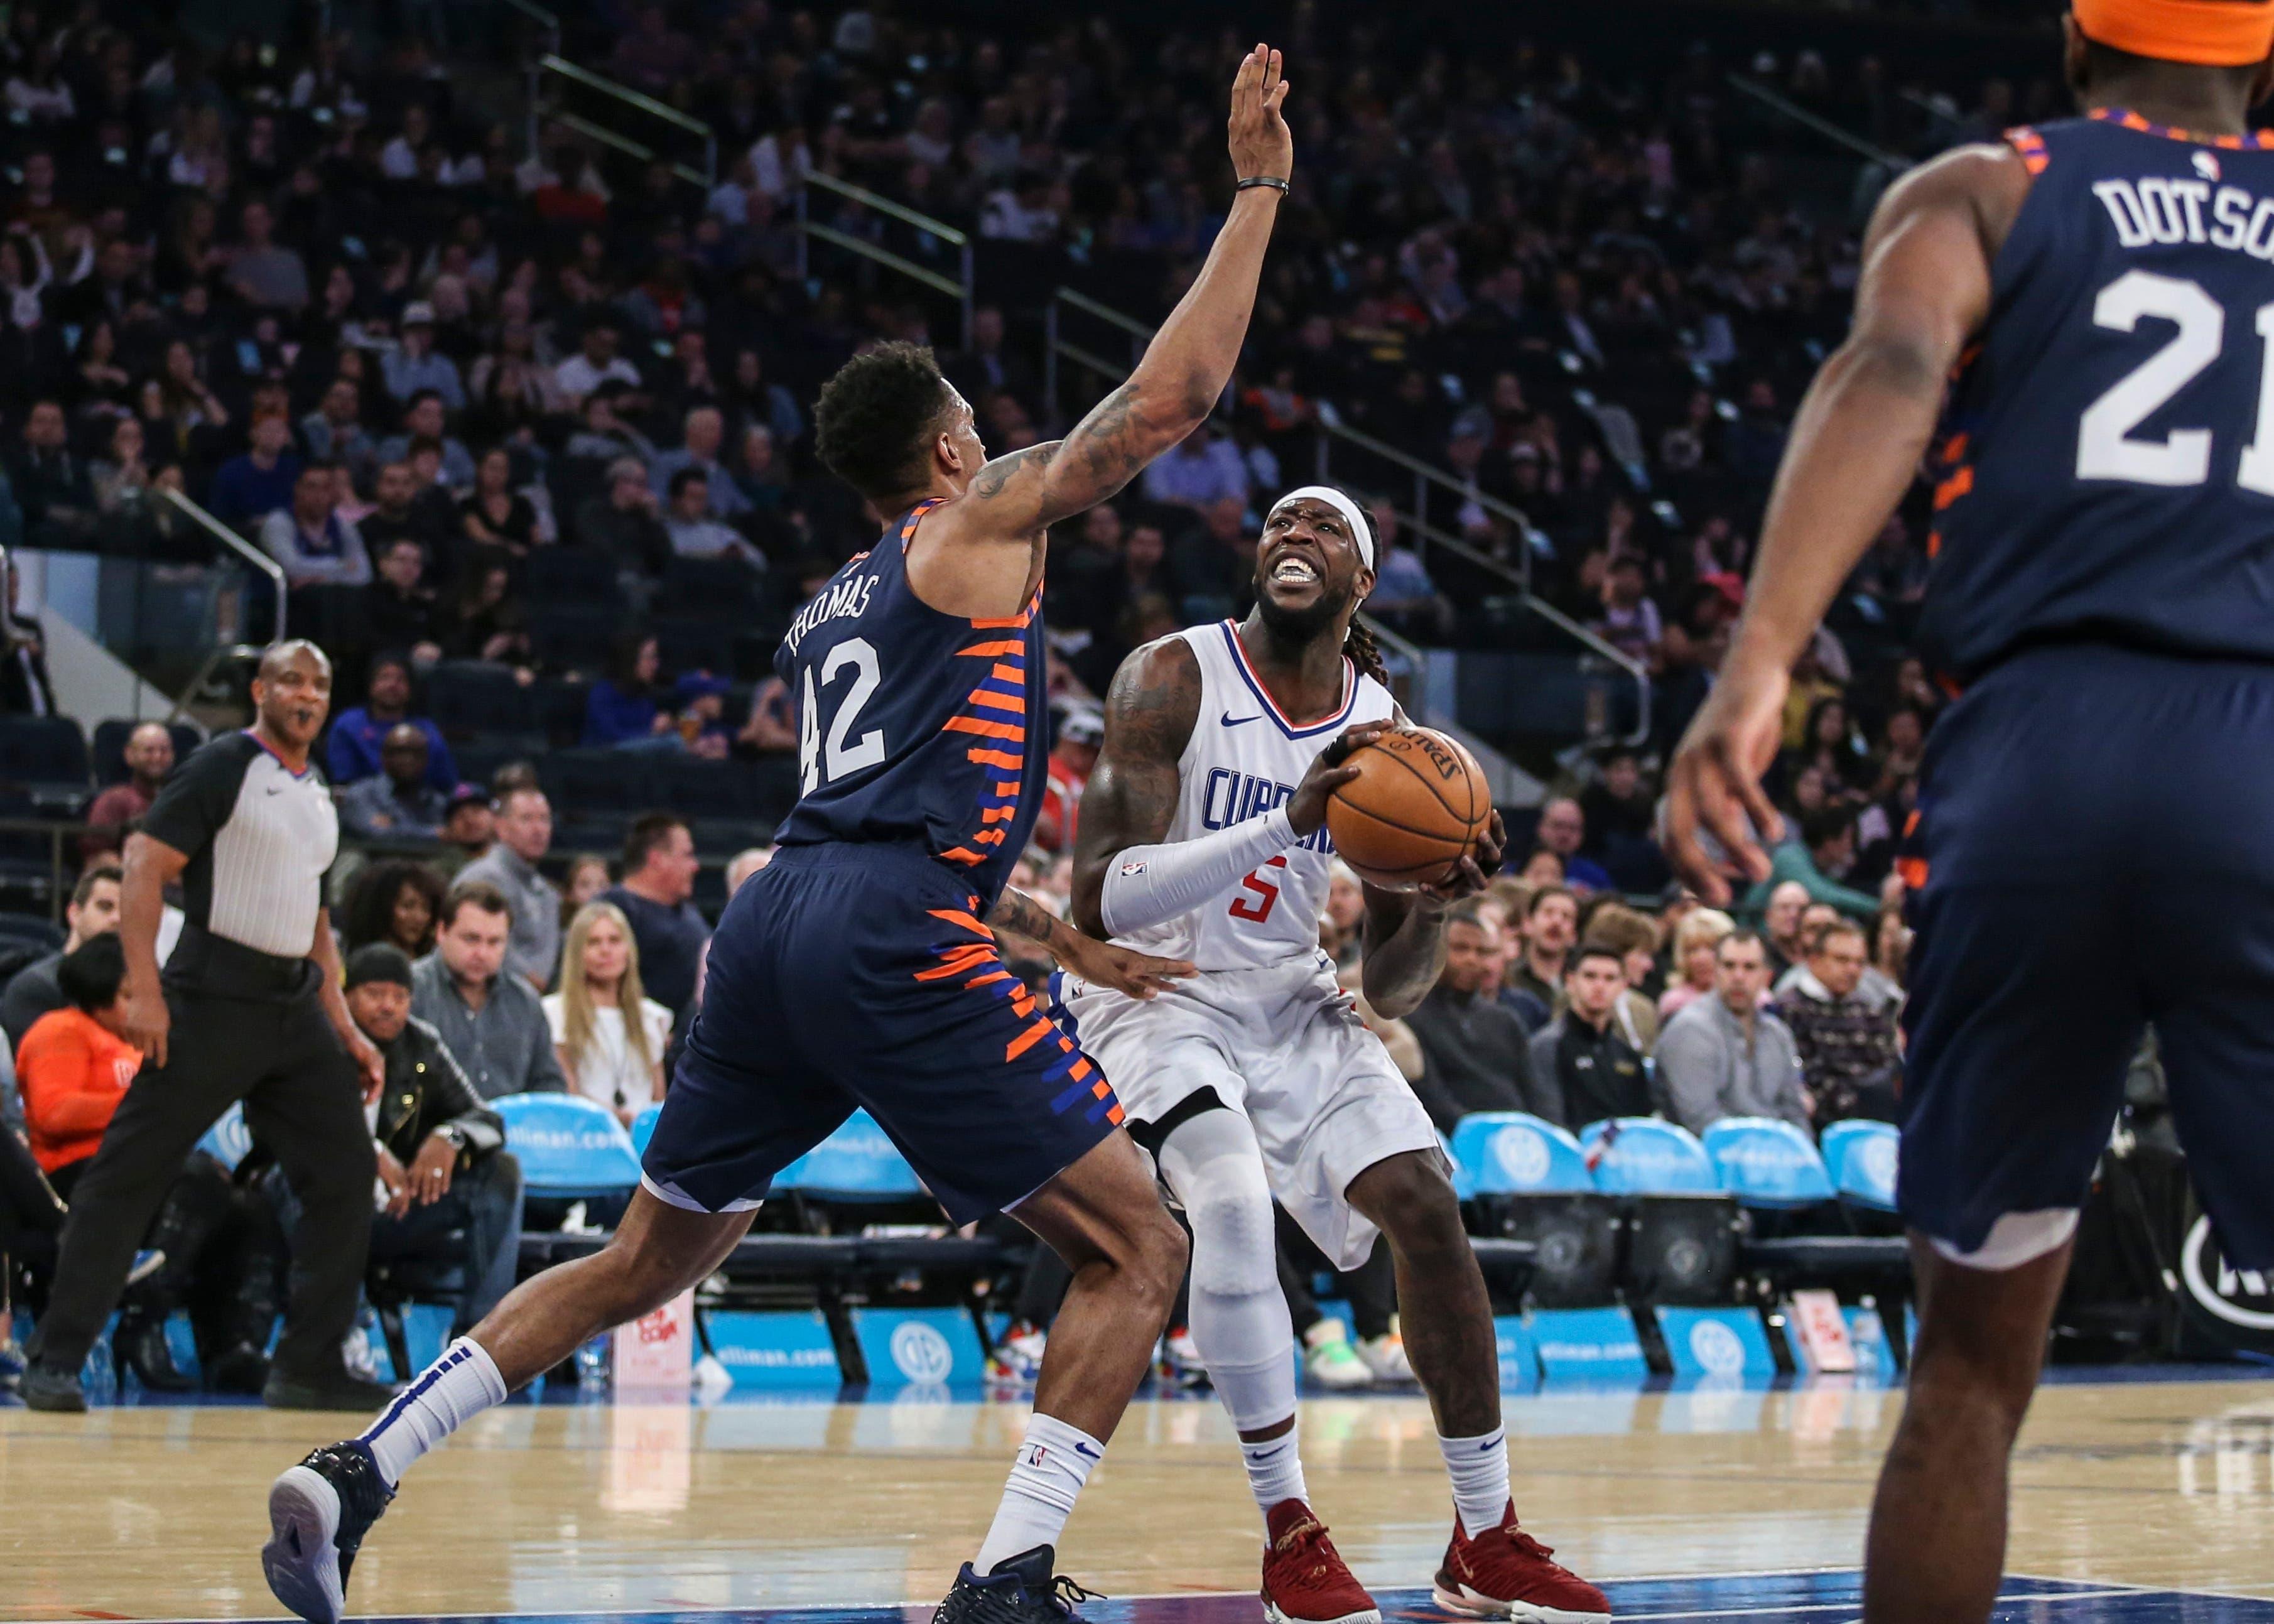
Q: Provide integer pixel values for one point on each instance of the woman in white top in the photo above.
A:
(607, 1057)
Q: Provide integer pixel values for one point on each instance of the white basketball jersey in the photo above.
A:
(1245, 758)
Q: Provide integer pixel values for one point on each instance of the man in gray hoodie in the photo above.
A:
(1729, 1055)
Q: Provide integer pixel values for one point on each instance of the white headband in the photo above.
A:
(1361, 531)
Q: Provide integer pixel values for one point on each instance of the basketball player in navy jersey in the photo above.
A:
(2088, 307)
(859, 969)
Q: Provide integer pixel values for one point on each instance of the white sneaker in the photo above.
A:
(1385, 1356)
(1019, 1355)
(1330, 1359)
(1181, 1365)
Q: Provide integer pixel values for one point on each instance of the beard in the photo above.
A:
(1297, 628)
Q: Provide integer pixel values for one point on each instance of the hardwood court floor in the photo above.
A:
(157, 1512)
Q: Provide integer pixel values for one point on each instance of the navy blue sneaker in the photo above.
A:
(317, 1514)
(1018, 1589)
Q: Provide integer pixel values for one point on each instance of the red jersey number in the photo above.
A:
(1247, 907)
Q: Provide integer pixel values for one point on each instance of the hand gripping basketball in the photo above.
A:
(1411, 811)
(1306, 807)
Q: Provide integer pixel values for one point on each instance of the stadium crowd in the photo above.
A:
(527, 434)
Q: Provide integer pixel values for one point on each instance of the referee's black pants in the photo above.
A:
(304, 1105)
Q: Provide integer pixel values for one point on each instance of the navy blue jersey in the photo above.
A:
(915, 726)
(2107, 472)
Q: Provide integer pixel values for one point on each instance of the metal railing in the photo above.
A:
(1425, 477)
(961, 288)
(238, 544)
(533, 73)
(1792, 111)
(560, 66)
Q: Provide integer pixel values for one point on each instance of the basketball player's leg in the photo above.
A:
(1445, 1312)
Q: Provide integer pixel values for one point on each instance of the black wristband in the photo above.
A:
(1272, 181)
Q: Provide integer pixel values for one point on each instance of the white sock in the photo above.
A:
(1049, 1471)
(448, 1393)
(1478, 1469)
(1275, 1470)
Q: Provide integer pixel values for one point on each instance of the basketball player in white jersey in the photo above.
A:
(1203, 836)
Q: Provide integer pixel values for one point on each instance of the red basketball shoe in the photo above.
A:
(1504, 1573)
(1305, 1580)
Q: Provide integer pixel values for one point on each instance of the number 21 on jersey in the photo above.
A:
(820, 762)
(2106, 447)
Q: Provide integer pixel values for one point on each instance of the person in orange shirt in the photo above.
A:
(74, 1067)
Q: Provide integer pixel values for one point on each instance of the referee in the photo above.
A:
(250, 1009)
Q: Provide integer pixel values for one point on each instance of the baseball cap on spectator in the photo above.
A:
(1082, 726)
(700, 685)
(418, 314)
(378, 961)
(466, 795)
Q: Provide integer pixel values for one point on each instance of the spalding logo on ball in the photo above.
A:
(1412, 813)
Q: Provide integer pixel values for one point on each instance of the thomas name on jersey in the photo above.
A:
(845, 596)
(2157, 209)
(1228, 797)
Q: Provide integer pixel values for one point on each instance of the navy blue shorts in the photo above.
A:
(2097, 827)
(860, 975)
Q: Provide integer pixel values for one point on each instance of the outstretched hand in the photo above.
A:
(1124, 969)
(1261, 143)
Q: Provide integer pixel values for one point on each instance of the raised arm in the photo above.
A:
(1189, 361)
(1856, 447)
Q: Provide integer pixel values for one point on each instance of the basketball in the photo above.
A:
(1413, 812)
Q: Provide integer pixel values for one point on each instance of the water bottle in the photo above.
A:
(1869, 1336)
(99, 1376)
(592, 1363)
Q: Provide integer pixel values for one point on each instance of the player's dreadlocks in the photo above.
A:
(1359, 646)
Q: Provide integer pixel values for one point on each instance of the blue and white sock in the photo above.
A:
(1478, 1469)
(1275, 1470)
(448, 1393)
(1051, 1468)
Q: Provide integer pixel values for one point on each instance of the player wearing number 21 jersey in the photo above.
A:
(2088, 309)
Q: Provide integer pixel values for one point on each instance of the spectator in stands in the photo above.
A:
(703, 432)
(469, 828)
(1535, 978)
(745, 863)
(262, 272)
(1780, 918)
(771, 728)
(333, 432)
(524, 834)
(1695, 938)
(1081, 732)
(453, 1190)
(1202, 470)
(413, 367)
(1563, 830)
(1634, 937)
(497, 518)
(74, 1067)
(596, 362)
(37, 989)
(1476, 1052)
(1583, 1068)
(50, 482)
(395, 901)
(691, 530)
(398, 802)
(624, 523)
(399, 609)
(423, 424)
(1618, 808)
(1630, 622)
(659, 876)
(24, 688)
(399, 515)
(262, 478)
(609, 1036)
(1814, 862)
(491, 1022)
(315, 544)
(624, 708)
(1403, 594)
(1850, 1058)
(359, 732)
(149, 758)
(1727, 1056)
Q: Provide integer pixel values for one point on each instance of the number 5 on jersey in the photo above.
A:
(1247, 907)
(817, 763)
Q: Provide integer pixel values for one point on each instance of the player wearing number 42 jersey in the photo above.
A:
(1203, 838)
(860, 971)
(2090, 844)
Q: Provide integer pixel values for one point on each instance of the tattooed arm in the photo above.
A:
(1124, 969)
(1184, 369)
(1131, 792)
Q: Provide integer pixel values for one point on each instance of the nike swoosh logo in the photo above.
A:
(1081, 1448)
(1230, 720)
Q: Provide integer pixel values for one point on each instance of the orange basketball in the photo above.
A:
(1413, 812)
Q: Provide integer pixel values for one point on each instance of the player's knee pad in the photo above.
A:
(1214, 1166)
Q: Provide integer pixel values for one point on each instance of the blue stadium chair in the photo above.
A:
(1537, 1212)
(1860, 1156)
(1769, 1163)
(46, 757)
(858, 1163)
(1682, 1228)
(471, 696)
(228, 1141)
(570, 1149)
(1512, 1153)
(1641, 1155)
(568, 575)
(644, 1127)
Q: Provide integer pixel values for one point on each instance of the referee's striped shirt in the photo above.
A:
(259, 838)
